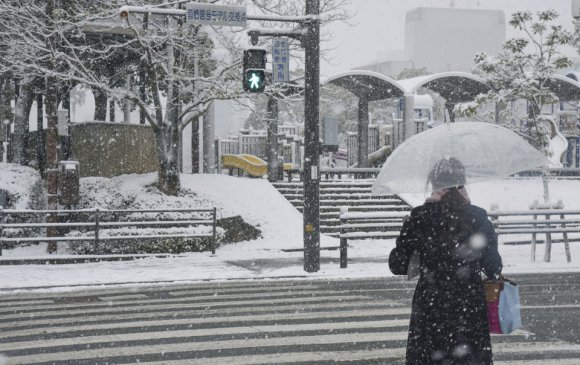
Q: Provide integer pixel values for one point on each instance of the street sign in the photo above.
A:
(280, 60)
(209, 14)
(330, 133)
(62, 115)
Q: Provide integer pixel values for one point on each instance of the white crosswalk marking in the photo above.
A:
(232, 323)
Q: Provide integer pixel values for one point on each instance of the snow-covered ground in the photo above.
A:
(260, 204)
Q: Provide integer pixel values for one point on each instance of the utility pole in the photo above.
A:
(272, 139)
(52, 137)
(311, 172)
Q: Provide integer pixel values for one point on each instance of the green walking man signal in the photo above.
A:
(254, 70)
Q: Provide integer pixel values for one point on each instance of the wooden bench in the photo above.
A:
(371, 225)
(539, 220)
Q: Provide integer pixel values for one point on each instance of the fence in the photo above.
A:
(96, 225)
(372, 172)
(539, 221)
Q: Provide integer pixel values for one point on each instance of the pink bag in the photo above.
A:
(492, 291)
(493, 316)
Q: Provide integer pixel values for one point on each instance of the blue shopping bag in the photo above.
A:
(509, 307)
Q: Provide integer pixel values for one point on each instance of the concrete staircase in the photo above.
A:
(354, 194)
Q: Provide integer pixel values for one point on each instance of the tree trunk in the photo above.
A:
(5, 98)
(100, 105)
(21, 115)
(168, 136)
(168, 179)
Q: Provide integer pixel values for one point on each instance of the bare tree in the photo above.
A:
(177, 69)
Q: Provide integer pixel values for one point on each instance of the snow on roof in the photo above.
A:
(355, 73)
(573, 75)
(411, 85)
(357, 81)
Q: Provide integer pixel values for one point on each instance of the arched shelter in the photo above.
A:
(455, 87)
(567, 88)
(367, 86)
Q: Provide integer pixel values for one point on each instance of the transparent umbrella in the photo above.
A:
(487, 151)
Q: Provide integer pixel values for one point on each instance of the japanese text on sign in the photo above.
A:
(209, 14)
(280, 60)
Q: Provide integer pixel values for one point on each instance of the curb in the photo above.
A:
(76, 260)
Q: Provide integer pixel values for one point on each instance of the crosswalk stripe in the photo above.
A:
(237, 330)
(528, 347)
(254, 329)
(14, 303)
(291, 357)
(140, 315)
(199, 300)
(288, 358)
(210, 304)
(213, 320)
(533, 362)
(212, 345)
(179, 289)
(498, 349)
(117, 298)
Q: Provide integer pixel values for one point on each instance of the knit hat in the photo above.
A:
(447, 173)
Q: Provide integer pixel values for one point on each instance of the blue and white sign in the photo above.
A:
(209, 14)
(280, 60)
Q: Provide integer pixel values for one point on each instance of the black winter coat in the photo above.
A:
(449, 317)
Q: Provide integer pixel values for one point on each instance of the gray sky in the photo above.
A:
(379, 25)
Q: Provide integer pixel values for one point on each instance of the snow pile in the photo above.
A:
(255, 200)
(23, 185)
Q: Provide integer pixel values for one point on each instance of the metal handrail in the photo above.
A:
(365, 172)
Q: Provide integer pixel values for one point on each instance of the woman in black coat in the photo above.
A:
(455, 242)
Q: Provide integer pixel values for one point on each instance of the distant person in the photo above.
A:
(454, 242)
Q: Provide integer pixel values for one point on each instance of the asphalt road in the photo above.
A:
(264, 322)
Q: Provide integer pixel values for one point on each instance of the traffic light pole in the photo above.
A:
(309, 36)
(310, 39)
(311, 171)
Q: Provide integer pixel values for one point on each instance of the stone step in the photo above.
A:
(334, 196)
(333, 222)
(335, 230)
(326, 185)
(334, 212)
(348, 202)
(339, 193)
(346, 195)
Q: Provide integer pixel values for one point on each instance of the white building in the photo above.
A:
(442, 39)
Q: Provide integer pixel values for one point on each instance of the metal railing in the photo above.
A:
(331, 173)
(546, 221)
(371, 172)
(99, 225)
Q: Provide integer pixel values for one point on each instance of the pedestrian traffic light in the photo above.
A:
(254, 70)
(254, 81)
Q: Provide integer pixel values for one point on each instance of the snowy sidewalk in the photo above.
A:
(281, 225)
(245, 262)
